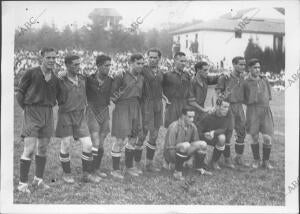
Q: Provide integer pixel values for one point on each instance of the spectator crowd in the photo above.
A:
(24, 59)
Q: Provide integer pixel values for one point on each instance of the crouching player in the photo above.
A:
(215, 129)
(182, 142)
(259, 117)
(72, 121)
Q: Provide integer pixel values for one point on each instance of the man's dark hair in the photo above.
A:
(101, 59)
(156, 50)
(185, 110)
(70, 58)
(179, 54)
(199, 65)
(135, 57)
(236, 59)
(46, 49)
(253, 61)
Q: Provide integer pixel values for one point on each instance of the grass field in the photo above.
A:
(241, 186)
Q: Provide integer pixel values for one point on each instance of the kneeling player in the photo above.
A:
(72, 121)
(259, 117)
(215, 129)
(182, 142)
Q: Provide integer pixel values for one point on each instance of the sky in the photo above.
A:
(66, 13)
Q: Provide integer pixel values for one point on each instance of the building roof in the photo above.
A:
(263, 26)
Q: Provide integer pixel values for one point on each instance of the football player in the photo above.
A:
(36, 94)
(231, 89)
(257, 95)
(182, 142)
(72, 120)
(126, 119)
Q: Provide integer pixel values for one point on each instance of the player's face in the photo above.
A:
(255, 70)
(153, 59)
(48, 60)
(189, 117)
(224, 108)
(240, 66)
(204, 71)
(137, 65)
(180, 62)
(105, 67)
(74, 67)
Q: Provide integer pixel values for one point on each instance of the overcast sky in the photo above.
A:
(64, 13)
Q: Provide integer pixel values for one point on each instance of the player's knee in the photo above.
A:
(118, 145)
(65, 144)
(255, 138)
(182, 147)
(42, 150)
(86, 144)
(267, 139)
(28, 154)
(221, 139)
(200, 145)
(95, 139)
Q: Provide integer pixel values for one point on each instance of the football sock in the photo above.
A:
(255, 151)
(239, 148)
(266, 151)
(226, 151)
(40, 162)
(199, 160)
(129, 155)
(138, 155)
(217, 153)
(87, 162)
(150, 151)
(65, 162)
(116, 156)
(179, 160)
(24, 170)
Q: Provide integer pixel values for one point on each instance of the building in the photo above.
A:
(226, 37)
(107, 17)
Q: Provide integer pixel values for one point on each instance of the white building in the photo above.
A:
(220, 39)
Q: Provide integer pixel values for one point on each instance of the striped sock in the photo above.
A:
(24, 170)
(65, 162)
(217, 153)
(116, 156)
(87, 162)
(239, 148)
(40, 163)
(150, 151)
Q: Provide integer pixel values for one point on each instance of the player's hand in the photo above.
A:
(212, 134)
(208, 136)
(166, 100)
(62, 74)
(226, 73)
(211, 110)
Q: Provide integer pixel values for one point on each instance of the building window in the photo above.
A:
(186, 43)
(196, 36)
(238, 34)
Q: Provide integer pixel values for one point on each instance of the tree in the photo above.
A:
(253, 51)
